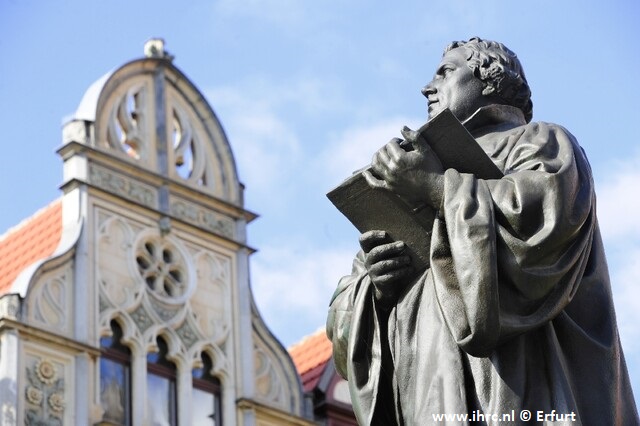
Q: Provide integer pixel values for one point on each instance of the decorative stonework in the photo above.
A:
(56, 402)
(141, 318)
(10, 306)
(192, 310)
(187, 334)
(52, 299)
(114, 183)
(46, 371)
(77, 131)
(210, 302)
(103, 303)
(143, 116)
(163, 311)
(162, 267)
(203, 218)
(34, 395)
(127, 129)
(194, 157)
(45, 394)
(115, 272)
(189, 161)
(268, 384)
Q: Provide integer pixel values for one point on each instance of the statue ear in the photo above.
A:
(488, 90)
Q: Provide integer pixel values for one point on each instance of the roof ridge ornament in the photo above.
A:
(154, 48)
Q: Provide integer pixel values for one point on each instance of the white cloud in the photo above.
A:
(618, 203)
(618, 218)
(626, 293)
(308, 93)
(264, 144)
(283, 13)
(312, 94)
(266, 123)
(293, 286)
(355, 147)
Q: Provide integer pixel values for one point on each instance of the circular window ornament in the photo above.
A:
(163, 268)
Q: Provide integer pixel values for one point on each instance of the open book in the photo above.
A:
(379, 209)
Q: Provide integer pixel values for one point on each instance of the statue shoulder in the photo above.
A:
(542, 146)
(543, 128)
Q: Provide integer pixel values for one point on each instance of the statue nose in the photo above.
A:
(428, 90)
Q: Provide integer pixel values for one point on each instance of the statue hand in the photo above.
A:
(387, 264)
(416, 176)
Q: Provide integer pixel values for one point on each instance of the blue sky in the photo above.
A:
(307, 91)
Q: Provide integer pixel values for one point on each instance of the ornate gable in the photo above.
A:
(149, 114)
(150, 274)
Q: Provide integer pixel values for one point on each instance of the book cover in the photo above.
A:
(378, 209)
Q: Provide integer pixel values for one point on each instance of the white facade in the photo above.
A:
(154, 237)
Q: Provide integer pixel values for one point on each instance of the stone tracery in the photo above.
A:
(126, 129)
(162, 268)
(148, 119)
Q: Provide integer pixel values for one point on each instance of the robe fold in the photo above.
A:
(515, 311)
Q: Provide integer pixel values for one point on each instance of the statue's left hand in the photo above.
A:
(416, 176)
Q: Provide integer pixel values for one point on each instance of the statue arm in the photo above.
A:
(340, 312)
(509, 253)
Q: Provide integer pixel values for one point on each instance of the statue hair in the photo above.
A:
(500, 71)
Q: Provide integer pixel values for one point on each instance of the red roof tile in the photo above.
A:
(33, 239)
(310, 357)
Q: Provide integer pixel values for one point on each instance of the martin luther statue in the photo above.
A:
(514, 314)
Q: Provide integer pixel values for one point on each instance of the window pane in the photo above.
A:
(160, 395)
(205, 397)
(114, 385)
(204, 408)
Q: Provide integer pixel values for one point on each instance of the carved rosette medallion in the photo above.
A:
(46, 371)
(34, 395)
(163, 268)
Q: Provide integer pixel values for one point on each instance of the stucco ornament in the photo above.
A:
(44, 396)
(56, 402)
(162, 267)
(46, 371)
(34, 395)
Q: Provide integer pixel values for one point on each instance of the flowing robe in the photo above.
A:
(515, 311)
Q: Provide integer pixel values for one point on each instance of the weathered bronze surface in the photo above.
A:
(513, 319)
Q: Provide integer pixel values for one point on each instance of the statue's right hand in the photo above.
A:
(387, 263)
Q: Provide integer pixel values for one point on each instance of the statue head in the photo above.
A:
(497, 74)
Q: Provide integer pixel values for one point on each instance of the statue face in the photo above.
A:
(455, 87)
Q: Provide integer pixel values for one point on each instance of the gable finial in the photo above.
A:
(154, 48)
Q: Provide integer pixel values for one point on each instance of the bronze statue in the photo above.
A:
(513, 321)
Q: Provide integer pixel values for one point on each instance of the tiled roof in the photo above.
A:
(310, 357)
(33, 239)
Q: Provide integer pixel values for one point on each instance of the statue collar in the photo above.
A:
(494, 118)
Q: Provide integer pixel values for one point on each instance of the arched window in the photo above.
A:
(205, 397)
(161, 386)
(115, 378)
